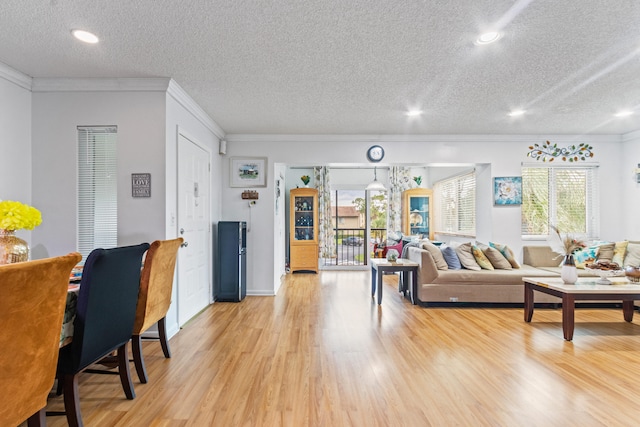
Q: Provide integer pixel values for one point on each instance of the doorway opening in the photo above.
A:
(359, 220)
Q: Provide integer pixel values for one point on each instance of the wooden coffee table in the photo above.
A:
(584, 289)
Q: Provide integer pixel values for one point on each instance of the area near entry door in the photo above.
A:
(194, 225)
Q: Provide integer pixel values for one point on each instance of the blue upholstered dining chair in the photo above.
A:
(104, 320)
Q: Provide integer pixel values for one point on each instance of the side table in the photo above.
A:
(380, 265)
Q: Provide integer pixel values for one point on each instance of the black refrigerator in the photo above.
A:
(231, 283)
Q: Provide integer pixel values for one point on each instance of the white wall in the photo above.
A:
(280, 228)
(140, 118)
(497, 155)
(15, 138)
(628, 190)
(184, 116)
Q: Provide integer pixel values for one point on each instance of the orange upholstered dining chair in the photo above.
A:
(32, 304)
(154, 298)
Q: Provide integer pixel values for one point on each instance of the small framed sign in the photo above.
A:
(141, 185)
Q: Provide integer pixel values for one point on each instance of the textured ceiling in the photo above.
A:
(354, 66)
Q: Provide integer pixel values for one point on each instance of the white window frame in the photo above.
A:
(592, 202)
(97, 195)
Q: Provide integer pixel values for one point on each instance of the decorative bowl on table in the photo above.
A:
(604, 270)
(633, 274)
(392, 255)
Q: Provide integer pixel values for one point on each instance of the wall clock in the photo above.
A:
(375, 153)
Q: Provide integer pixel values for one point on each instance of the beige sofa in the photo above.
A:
(484, 286)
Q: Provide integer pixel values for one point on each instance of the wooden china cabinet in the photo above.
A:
(417, 212)
(303, 229)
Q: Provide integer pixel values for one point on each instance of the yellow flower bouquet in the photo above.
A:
(16, 216)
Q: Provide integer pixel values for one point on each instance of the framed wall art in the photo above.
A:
(507, 190)
(248, 172)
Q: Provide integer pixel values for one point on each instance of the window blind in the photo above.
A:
(562, 196)
(97, 189)
(455, 204)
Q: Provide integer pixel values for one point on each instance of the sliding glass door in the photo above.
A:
(360, 223)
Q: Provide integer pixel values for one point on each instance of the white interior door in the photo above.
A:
(194, 225)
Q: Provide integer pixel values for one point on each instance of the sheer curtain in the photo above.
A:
(326, 238)
(399, 180)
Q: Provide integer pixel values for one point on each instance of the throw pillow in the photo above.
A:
(585, 256)
(497, 259)
(605, 252)
(507, 253)
(466, 257)
(481, 258)
(619, 252)
(632, 258)
(435, 252)
(450, 256)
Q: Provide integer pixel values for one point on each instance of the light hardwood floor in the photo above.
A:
(322, 353)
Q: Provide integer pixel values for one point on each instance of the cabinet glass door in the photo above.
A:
(303, 218)
(419, 215)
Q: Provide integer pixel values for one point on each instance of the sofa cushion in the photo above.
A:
(507, 253)
(497, 259)
(540, 256)
(558, 271)
(481, 258)
(466, 257)
(619, 252)
(450, 256)
(511, 277)
(605, 252)
(585, 256)
(632, 258)
(436, 253)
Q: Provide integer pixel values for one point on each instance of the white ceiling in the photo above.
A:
(354, 66)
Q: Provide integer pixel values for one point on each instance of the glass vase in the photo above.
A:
(12, 248)
(568, 272)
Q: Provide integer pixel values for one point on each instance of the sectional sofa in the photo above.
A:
(438, 284)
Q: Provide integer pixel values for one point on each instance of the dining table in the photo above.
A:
(66, 332)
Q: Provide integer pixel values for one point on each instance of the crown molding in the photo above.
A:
(631, 136)
(184, 99)
(14, 76)
(156, 84)
(421, 138)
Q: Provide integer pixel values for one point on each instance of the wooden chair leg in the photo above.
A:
(138, 359)
(125, 373)
(72, 401)
(38, 419)
(162, 332)
(59, 385)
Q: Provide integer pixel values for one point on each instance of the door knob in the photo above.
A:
(184, 245)
(182, 231)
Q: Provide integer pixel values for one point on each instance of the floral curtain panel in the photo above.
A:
(399, 180)
(326, 238)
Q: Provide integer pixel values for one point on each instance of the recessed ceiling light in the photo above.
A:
(624, 113)
(85, 36)
(488, 37)
(414, 113)
(516, 113)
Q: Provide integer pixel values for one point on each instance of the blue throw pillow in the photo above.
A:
(451, 257)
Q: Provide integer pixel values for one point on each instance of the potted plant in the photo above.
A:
(16, 216)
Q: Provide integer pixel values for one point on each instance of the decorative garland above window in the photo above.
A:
(550, 152)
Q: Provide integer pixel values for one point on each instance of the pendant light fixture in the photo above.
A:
(375, 185)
